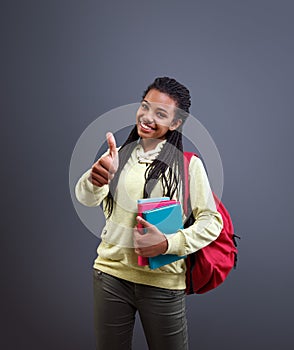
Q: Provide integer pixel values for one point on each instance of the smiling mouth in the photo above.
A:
(145, 126)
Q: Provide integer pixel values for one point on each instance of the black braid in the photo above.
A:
(169, 165)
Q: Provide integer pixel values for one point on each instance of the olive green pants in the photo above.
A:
(162, 313)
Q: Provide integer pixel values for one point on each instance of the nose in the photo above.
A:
(148, 117)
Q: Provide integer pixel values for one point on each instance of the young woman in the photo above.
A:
(148, 164)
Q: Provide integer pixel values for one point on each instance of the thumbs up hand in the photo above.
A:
(149, 244)
(113, 153)
(104, 169)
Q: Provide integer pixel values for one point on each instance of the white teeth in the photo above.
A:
(145, 126)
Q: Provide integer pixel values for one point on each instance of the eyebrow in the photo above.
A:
(156, 108)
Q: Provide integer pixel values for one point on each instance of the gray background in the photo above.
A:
(64, 63)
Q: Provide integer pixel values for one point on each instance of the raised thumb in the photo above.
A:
(111, 144)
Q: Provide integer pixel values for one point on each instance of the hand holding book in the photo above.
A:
(151, 242)
(144, 205)
(160, 218)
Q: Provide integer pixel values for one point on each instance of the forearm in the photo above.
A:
(205, 229)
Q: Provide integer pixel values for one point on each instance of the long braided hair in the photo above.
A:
(169, 165)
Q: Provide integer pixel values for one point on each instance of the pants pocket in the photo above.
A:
(97, 274)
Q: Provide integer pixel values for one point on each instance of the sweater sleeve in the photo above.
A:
(208, 221)
(89, 194)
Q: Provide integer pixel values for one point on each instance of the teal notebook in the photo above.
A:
(168, 220)
(150, 200)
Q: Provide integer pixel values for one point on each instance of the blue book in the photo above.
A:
(145, 204)
(168, 220)
(150, 200)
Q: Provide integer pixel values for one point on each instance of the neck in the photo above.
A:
(149, 144)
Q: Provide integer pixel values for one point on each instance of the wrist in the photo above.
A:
(164, 245)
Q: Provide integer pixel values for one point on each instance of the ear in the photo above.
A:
(175, 124)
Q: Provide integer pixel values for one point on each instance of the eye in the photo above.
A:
(161, 115)
(144, 106)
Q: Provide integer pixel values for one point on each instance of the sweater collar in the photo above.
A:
(149, 156)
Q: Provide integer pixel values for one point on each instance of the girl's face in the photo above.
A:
(155, 116)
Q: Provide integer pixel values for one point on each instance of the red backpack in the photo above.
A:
(208, 267)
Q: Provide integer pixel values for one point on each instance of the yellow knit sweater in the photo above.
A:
(116, 254)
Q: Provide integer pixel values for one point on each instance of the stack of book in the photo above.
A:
(166, 215)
